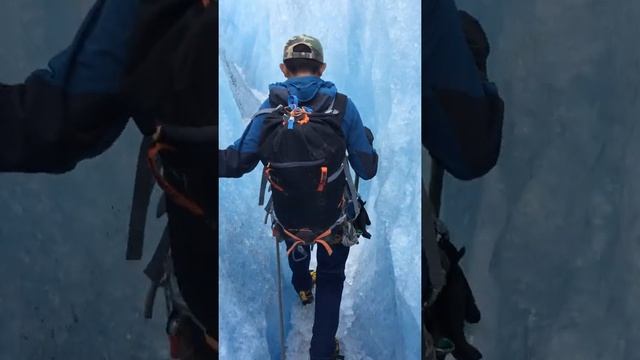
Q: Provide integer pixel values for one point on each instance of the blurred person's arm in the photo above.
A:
(72, 110)
(242, 156)
(463, 119)
(362, 156)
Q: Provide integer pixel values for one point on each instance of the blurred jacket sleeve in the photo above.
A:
(362, 156)
(72, 110)
(463, 116)
(242, 157)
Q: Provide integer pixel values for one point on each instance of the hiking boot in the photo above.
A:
(306, 297)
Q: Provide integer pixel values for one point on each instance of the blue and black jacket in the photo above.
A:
(462, 123)
(242, 157)
(71, 111)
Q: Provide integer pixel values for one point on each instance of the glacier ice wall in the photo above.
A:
(553, 231)
(67, 292)
(373, 53)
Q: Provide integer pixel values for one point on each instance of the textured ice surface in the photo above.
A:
(66, 290)
(373, 53)
(553, 231)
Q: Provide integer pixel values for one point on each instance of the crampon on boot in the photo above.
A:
(307, 296)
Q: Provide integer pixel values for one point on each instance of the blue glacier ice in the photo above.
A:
(553, 233)
(373, 53)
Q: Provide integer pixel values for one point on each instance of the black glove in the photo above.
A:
(369, 134)
(362, 221)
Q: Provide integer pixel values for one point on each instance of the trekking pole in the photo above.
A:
(280, 304)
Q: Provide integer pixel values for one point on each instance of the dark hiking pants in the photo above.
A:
(329, 284)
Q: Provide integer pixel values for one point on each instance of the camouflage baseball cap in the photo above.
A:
(313, 44)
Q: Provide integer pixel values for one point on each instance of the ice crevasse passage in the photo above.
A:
(372, 49)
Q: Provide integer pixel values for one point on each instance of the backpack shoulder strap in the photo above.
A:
(277, 100)
(278, 96)
(263, 188)
(340, 102)
(351, 187)
(339, 105)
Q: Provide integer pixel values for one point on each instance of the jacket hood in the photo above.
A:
(306, 87)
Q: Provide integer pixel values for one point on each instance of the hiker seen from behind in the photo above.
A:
(302, 134)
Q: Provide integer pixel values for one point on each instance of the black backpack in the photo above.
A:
(304, 150)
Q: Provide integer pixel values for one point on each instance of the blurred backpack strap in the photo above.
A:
(144, 183)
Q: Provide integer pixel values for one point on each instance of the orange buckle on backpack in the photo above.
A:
(323, 179)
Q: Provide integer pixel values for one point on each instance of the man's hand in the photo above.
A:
(362, 221)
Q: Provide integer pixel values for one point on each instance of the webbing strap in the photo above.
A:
(268, 209)
(335, 175)
(143, 187)
(267, 174)
(352, 189)
(179, 198)
(155, 269)
(156, 272)
(162, 206)
(319, 239)
(323, 179)
(330, 109)
(263, 188)
(340, 104)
